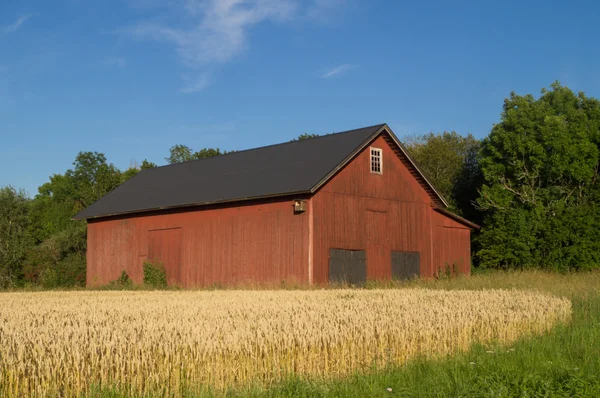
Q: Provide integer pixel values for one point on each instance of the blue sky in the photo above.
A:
(131, 78)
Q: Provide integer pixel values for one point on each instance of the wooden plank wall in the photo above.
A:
(164, 245)
(358, 210)
(451, 244)
(253, 243)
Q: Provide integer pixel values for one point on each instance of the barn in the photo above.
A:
(349, 206)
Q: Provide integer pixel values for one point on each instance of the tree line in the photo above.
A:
(532, 184)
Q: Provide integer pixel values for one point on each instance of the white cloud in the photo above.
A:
(218, 32)
(119, 62)
(194, 84)
(338, 71)
(17, 24)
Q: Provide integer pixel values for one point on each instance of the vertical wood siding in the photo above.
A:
(358, 210)
(164, 246)
(451, 245)
(252, 243)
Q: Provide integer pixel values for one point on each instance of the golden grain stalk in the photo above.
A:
(141, 342)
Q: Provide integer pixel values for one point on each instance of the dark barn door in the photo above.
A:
(164, 245)
(347, 266)
(405, 265)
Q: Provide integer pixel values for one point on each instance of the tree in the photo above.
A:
(183, 153)
(179, 154)
(92, 178)
(305, 136)
(52, 208)
(130, 172)
(450, 161)
(58, 258)
(65, 195)
(540, 191)
(146, 164)
(14, 237)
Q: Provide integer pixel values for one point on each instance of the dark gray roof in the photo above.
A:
(290, 168)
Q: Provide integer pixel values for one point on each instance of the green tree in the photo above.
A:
(183, 153)
(65, 195)
(52, 208)
(146, 164)
(58, 259)
(179, 154)
(541, 191)
(208, 153)
(93, 177)
(130, 172)
(450, 161)
(14, 237)
(305, 136)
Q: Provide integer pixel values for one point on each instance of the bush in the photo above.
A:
(122, 282)
(58, 261)
(155, 274)
(49, 278)
(124, 279)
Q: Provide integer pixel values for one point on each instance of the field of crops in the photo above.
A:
(139, 342)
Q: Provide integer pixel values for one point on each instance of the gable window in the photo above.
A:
(376, 161)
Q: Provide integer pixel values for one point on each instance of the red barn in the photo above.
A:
(348, 206)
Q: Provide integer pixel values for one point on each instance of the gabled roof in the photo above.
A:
(291, 168)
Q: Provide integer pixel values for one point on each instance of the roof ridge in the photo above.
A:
(295, 141)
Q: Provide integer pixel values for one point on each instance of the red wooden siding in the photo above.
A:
(376, 243)
(358, 210)
(164, 246)
(451, 244)
(252, 243)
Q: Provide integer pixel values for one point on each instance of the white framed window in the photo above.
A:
(376, 161)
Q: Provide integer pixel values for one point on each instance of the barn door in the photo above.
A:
(347, 266)
(164, 245)
(378, 256)
(405, 265)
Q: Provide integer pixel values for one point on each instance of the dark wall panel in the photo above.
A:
(406, 265)
(347, 266)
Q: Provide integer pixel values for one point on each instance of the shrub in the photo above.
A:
(155, 274)
(122, 282)
(58, 261)
(124, 279)
(49, 278)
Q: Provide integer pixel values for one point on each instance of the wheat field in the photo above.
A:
(167, 342)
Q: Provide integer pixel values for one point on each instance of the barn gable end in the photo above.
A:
(378, 214)
(388, 216)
